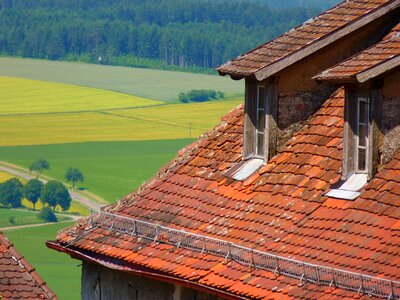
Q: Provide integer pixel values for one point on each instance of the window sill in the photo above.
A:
(245, 169)
(350, 189)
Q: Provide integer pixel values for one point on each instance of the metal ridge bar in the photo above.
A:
(305, 272)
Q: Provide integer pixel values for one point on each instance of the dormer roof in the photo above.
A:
(304, 40)
(373, 62)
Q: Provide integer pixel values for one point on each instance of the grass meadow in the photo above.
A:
(62, 273)
(21, 217)
(111, 169)
(147, 83)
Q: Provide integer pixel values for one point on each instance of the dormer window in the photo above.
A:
(359, 142)
(260, 128)
(358, 139)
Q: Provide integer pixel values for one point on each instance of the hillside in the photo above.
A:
(195, 34)
(153, 84)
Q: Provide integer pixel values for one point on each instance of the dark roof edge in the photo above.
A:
(115, 264)
(311, 48)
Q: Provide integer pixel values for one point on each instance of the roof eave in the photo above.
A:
(336, 80)
(379, 69)
(137, 270)
(311, 48)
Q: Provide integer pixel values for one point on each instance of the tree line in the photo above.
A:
(53, 193)
(146, 33)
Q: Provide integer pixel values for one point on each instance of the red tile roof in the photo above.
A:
(18, 279)
(307, 35)
(280, 210)
(350, 69)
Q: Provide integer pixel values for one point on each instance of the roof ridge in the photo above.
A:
(256, 67)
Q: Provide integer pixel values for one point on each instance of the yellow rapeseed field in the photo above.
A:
(5, 176)
(37, 112)
(26, 96)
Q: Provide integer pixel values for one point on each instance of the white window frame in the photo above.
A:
(257, 131)
(357, 147)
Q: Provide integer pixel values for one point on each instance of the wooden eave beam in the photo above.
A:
(379, 69)
(309, 49)
(338, 80)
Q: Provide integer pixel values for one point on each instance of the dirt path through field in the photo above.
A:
(25, 174)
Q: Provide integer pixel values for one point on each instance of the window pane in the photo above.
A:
(363, 112)
(261, 97)
(261, 120)
(361, 159)
(362, 135)
(260, 144)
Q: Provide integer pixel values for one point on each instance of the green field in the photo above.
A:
(152, 84)
(62, 274)
(111, 169)
(22, 217)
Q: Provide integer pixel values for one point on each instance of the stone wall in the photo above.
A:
(390, 128)
(101, 283)
(294, 108)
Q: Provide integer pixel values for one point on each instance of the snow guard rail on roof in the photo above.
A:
(303, 271)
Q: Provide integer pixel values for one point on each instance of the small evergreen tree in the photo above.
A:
(33, 190)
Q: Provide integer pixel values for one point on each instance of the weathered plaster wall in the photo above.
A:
(100, 283)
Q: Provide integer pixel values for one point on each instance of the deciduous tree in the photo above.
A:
(55, 193)
(38, 166)
(33, 190)
(73, 175)
(11, 193)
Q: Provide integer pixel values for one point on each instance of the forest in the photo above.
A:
(194, 34)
